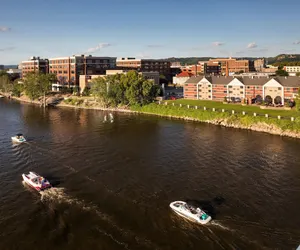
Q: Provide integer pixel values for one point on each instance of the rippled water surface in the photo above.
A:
(114, 182)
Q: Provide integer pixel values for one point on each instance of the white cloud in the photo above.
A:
(218, 43)
(252, 45)
(4, 29)
(296, 42)
(98, 47)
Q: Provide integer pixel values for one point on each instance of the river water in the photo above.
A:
(114, 182)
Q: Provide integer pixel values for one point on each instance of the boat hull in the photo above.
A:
(14, 139)
(187, 214)
(34, 186)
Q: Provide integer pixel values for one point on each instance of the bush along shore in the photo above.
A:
(276, 126)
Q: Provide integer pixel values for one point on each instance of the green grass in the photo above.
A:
(250, 109)
(208, 115)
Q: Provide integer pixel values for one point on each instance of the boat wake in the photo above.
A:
(218, 224)
(58, 195)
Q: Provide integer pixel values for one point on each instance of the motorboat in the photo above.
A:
(18, 138)
(1, 96)
(190, 212)
(36, 181)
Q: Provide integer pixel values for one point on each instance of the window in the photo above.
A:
(241, 87)
(248, 87)
(257, 87)
(286, 88)
(225, 91)
(230, 86)
(230, 92)
(242, 92)
(65, 72)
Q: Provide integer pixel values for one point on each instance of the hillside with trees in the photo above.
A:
(279, 60)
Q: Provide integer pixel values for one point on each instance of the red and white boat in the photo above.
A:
(36, 181)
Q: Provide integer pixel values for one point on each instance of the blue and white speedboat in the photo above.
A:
(190, 212)
(18, 138)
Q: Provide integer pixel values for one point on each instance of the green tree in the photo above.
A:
(38, 84)
(5, 85)
(17, 89)
(124, 89)
(281, 72)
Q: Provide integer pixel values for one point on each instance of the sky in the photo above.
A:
(148, 28)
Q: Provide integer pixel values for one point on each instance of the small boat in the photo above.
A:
(190, 212)
(18, 138)
(36, 181)
(1, 96)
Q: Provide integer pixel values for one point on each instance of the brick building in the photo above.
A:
(230, 65)
(35, 64)
(145, 65)
(68, 69)
(277, 89)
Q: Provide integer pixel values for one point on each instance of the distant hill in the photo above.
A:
(282, 58)
(10, 66)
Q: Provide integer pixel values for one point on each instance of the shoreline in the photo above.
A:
(257, 127)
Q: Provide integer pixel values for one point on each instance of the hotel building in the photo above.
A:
(217, 88)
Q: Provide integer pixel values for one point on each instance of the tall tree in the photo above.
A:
(124, 89)
(38, 84)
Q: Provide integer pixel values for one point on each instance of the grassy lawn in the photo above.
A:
(250, 109)
(202, 115)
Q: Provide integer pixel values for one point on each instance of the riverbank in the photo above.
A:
(259, 124)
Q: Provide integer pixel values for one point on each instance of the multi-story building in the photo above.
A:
(196, 69)
(292, 70)
(35, 64)
(230, 65)
(212, 68)
(68, 69)
(145, 65)
(275, 90)
(259, 64)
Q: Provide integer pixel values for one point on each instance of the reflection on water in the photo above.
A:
(113, 182)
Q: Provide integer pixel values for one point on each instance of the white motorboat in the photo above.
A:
(190, 212)
(36, 181)
(18, 138)
(1, 96)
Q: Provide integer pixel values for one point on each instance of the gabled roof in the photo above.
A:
(292, 81)
(257, 81)
(184, 74)
(221, 80)
(194, 79)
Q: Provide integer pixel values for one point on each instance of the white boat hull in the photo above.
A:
(15, 139)
(32, 181)
(197, 215)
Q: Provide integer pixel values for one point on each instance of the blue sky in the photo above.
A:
(148, 28)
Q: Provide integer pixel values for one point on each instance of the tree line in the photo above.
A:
(124, 89)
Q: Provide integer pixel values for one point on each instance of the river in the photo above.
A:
(113, 182)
